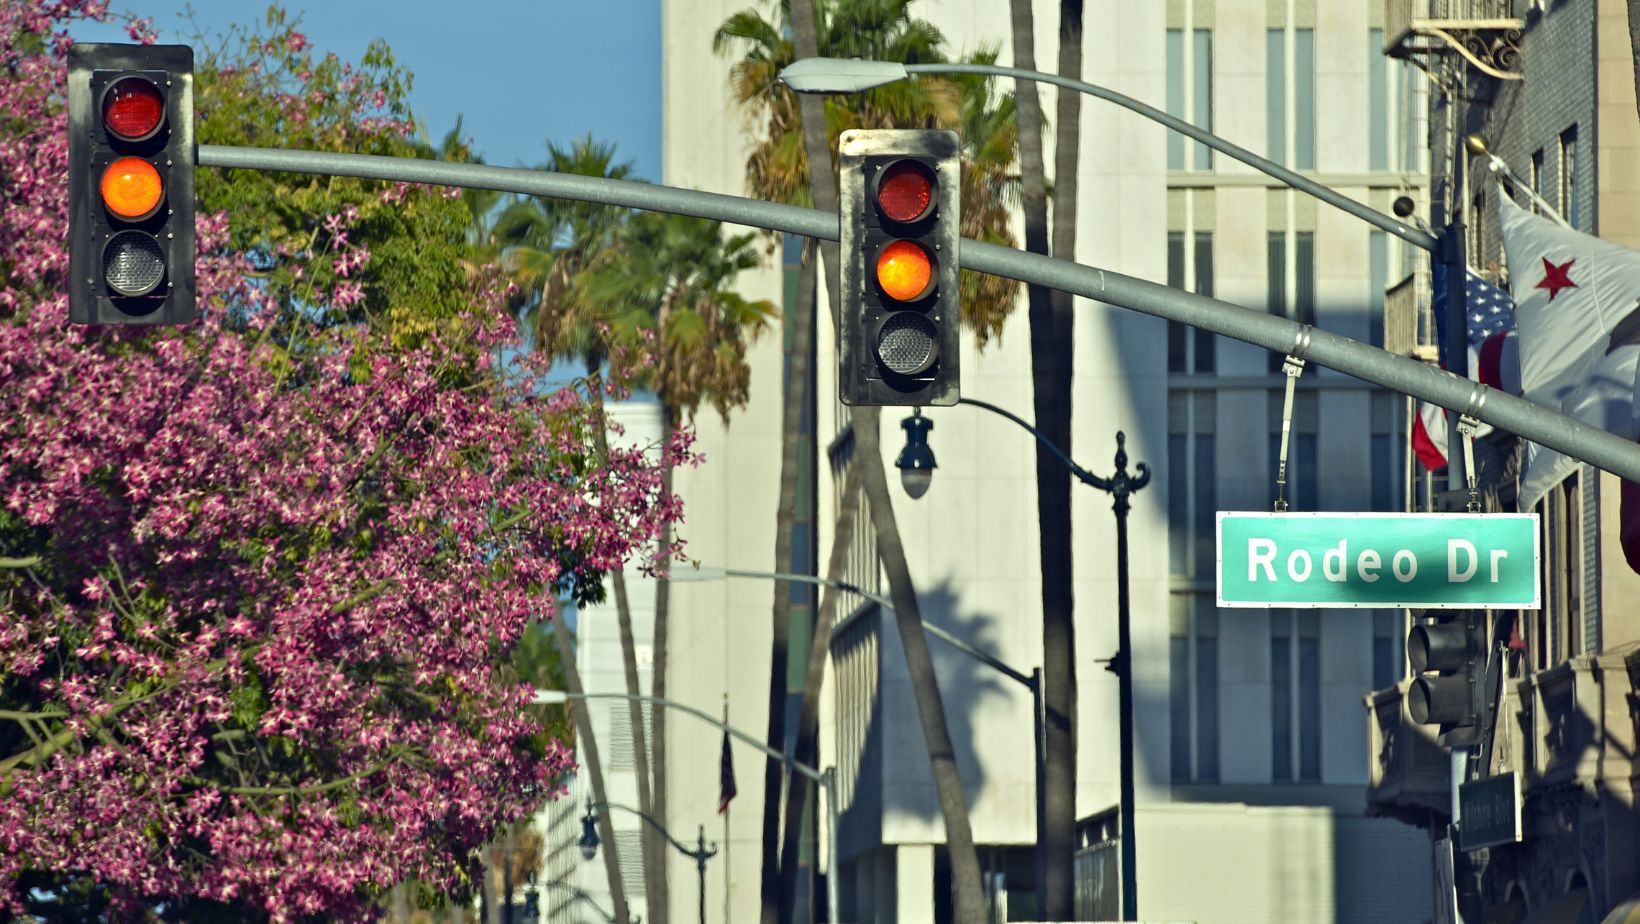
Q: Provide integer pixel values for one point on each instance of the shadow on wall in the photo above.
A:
(892, 779)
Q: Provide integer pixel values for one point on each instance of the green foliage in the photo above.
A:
(265, 86)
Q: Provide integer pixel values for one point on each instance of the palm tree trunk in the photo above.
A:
(808, 722)
(589, 757)
(653, 858)
(1053, 488)
(780, 637)
(658, 899)
(959, 838)
(919, 664)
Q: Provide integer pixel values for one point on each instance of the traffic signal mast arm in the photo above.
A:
(1597, 447)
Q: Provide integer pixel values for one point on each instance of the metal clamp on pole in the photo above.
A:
(1293, 366)
(1469, 425)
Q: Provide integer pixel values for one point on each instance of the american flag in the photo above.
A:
(1493, 355)
(1490, 311)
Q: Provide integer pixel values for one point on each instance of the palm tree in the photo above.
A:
(1052, 361)
(675, 273)
(792, 162)
(546, 245)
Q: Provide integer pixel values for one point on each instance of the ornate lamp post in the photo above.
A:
(1119, 486)
(589, 843)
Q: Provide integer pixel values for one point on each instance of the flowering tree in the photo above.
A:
(255, 602)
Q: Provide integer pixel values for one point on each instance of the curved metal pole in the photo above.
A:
(699, 855)
(826, 780)
(1082, 474)
(1587, 443)
(676, 844)
(1298, 181)
(585, 896)
(553, 696)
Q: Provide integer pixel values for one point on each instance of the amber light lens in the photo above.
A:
(131, 188)
(905, 271)
(905, 191)
(133, 109)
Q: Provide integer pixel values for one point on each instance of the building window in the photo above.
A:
(1377, 283)
(1295, 696)
(1386, 452)
(1193, 651)
(1190, 96)
(1568, 178)
(1192, 490)
(1388, 644)
(1296, 86)
(1537, 178)
(1193, 670)
(1377, 102)
(1190, 349)
(1477, 230)
(1303, 449)
(1301, 307)
(1559, 623)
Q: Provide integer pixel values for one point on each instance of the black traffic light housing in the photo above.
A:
(132, 261)
(900, 211)
(1449, 661)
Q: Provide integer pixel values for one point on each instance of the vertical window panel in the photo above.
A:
(1178, 649)
(1309, 696)
(1304, 99)
(1275, 96)
(1175, 96)
(1569, 204)
(1377, 102)
(1377, 282)
(1304, 248)
(1206, 359)
(1177, 333)
(1202, 54)
(1281, 691)
(1207, 692)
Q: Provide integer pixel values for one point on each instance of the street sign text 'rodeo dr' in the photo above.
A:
(1419, 560)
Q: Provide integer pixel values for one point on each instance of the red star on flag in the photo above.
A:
(1556, 278)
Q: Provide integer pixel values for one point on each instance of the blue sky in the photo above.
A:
(520, 72)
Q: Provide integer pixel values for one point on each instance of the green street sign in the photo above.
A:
(1489, 812)
(1379, 560)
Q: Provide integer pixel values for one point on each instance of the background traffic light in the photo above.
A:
(900, 214)
(1449, 658)
(131, 184)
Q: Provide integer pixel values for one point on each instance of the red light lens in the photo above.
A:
(133, 108)
(905, 191)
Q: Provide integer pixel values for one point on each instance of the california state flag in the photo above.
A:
(1575, 309)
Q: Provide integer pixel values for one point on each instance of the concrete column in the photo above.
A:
(914, 883)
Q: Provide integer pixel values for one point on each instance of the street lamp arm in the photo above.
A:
(1541, 425)
(700, 854)
(559, 696)
(1298, 181)
(887, 604)
(1082, 474)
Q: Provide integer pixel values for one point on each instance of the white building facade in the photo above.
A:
(1251, 761)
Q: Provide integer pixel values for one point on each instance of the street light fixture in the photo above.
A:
(916, 460)
(1031, 681)
(1119, 486)
(701, 853)
(589, 836)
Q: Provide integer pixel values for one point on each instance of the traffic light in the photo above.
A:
(1450, 659)
(131, 184)
(900, 213)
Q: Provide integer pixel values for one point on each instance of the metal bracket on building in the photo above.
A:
(1293, 366)
(1491, 46)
